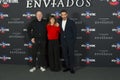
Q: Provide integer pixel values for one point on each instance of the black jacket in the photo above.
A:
(37, 30)
(70, 31)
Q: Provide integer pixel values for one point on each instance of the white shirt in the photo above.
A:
(64, 24)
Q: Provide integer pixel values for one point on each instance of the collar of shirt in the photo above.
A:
(64, 24)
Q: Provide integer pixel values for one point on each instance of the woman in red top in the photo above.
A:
(53, 31)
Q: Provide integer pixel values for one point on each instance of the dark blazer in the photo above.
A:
(37, 30)
(70, 31)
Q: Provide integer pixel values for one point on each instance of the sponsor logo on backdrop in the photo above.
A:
(114, 2)
(103, 36)
(5, 58)
(2, 15)
(28, 45)
(116, 46)
(4, 44)
(57, 3)
(88, 60)
(29, 59)
(28, 15)
(117, 29)
(103, 52)
(17, 51)
(17, 35)
(116, 60)
(104, 20)
(88, 46)
(24, 30)
(6, 3)
(88, 14)
(117, 14)
(3, 30)
(15, 21)
(88, 30)
(56, 14)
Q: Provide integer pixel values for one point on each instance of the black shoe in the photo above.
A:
(65, 70)
(72, 71)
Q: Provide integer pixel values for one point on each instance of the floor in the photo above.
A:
(21, 72)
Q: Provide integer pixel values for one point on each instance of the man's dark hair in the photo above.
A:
(64, 11)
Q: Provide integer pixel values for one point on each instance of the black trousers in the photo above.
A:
(54, 55)
(68, 53)
(39, 59)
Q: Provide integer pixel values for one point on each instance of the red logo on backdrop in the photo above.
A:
(87, 46)
(5, 5)
(116, 60)
(88, 30)
(5, 58)
(114, 2)
(4, 45)
(57, 14)
(118, 12)
(1, 17)
(118, 30)
(118, 46)
(2, 30)
(28, 15)
(87, 60)
(29, 45)
(88, 16)
(29, 59)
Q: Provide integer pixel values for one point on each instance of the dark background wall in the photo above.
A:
(98, 29)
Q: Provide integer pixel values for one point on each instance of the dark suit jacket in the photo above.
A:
(70, 31)
(37, 30)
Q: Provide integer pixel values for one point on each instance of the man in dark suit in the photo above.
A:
(68, 37)
(37, 35)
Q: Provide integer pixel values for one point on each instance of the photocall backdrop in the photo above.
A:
(98, 29)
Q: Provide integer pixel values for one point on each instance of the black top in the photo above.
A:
(70, 31)
(37, 30)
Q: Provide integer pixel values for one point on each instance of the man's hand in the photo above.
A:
(57, 24)
(33, 40)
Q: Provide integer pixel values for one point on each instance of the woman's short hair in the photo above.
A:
(53, 18)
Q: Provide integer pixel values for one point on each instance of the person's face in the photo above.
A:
(52, 20)
(39, 15)
(64, 15)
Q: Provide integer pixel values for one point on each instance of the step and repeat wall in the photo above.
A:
(98, 29)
